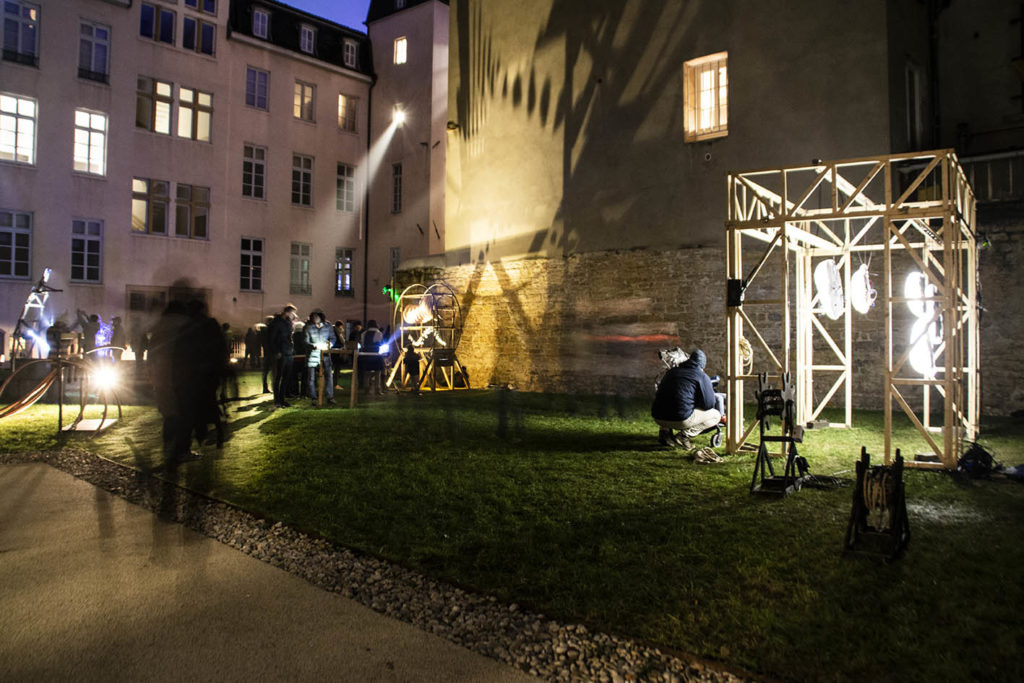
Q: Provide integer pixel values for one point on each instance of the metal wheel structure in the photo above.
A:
(428, 320)
(59, 369)
(915, 213)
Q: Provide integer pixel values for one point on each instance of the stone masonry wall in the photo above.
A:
(594, 322)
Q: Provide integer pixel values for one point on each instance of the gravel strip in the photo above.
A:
(526, 640)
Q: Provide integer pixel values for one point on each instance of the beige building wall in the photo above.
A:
(571, 115)
(55, 195)
(585, 232)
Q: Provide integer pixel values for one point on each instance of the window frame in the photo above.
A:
(86, 238)
(250, 260)
(350, 53)
(348, 111)
(302, 106)
(156, 100)
(150, 199)
(87, 72)
(203, 6)
(257, 14)
(90, 132)
(345, 190)
(14, 230)
(255, 93)
(302, 180)
(299, 269)
(307, 39)
(195, 112)
(22, 126)
(162, 17)
(256, 163)
(189, 208)
(344, 262)
(401, 55)
(28, 29)
(716, 65)
(194, 39)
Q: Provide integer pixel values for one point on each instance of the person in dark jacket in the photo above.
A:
(282, 349)
(685, 401)
(320, 337)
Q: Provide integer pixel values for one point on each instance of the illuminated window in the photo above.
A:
(707, 97)
(153, 103)
(396, 188)
(304, 100)
(347, 113)
(254, 172)
(156, 23)
(298, 281)
(93, 51)
(400, 50)
(15, 244)
(251, 277)
(192, 212)
(198, 35)
(260, 23)
(18, 129)
(21, 32)
(195, 111)
(86, 250)
(343, 272)
(346, 191)
(150, 199)
(349, 54)
(257, 86)
(302, 180)
(307, 39)
(90, 148)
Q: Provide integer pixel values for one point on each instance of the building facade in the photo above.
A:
(408, 128)
(215, 144)
(586, 195)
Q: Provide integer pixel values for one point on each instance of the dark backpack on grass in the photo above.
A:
(977, 462)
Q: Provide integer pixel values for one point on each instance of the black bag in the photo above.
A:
(977, 462)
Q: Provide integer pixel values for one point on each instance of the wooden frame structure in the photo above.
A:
(914, 213)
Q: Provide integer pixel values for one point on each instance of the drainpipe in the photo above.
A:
(934, 8)
(366, 203)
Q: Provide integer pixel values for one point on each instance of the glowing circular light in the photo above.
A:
(925, 334)
(830, 288)
(398, 116)
(862, 295)
(105, 377)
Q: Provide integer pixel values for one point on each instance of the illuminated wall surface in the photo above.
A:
(585, 232)
(571, 115)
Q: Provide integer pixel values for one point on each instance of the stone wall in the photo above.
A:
(594, 322)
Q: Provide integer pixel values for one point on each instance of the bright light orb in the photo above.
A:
(398, 116)
(105, 377)
(830, 288)
(862, 295)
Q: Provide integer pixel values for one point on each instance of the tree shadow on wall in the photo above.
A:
(620, 62)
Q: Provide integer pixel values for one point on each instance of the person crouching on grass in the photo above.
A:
(685, 401)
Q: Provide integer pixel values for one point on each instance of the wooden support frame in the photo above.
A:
(913, 212)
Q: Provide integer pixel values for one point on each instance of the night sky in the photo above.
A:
(351, 13)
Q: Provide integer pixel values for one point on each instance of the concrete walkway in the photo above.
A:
(93, 588)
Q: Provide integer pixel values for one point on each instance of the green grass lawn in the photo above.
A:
(568, 505)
